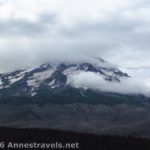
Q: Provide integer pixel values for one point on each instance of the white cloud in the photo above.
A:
(97, 82)
(117, 31)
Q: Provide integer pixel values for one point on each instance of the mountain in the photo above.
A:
(49, 96)
(51, 81)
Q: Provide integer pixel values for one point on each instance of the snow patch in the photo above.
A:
(15, 79)
(39, 77)
(70, 70)
(108, 73)
(52, 83)
(1, 82)
(53, 86)
(33, 94)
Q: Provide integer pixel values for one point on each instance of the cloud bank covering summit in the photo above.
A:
(36, 31)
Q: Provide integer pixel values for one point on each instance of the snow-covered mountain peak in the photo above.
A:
(55, 76)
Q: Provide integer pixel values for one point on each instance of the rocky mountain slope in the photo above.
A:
(50, 80)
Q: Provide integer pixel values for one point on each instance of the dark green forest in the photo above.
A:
(86, 141)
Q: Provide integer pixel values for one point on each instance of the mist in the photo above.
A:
(91, 80)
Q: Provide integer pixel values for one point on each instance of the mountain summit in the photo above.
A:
(53, 77)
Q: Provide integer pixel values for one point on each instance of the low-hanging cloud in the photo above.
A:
(97, 82)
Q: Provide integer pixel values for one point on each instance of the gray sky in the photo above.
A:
(35, 31)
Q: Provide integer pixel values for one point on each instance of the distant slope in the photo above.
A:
(119, 119)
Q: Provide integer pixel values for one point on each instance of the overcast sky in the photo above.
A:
(34, 31)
